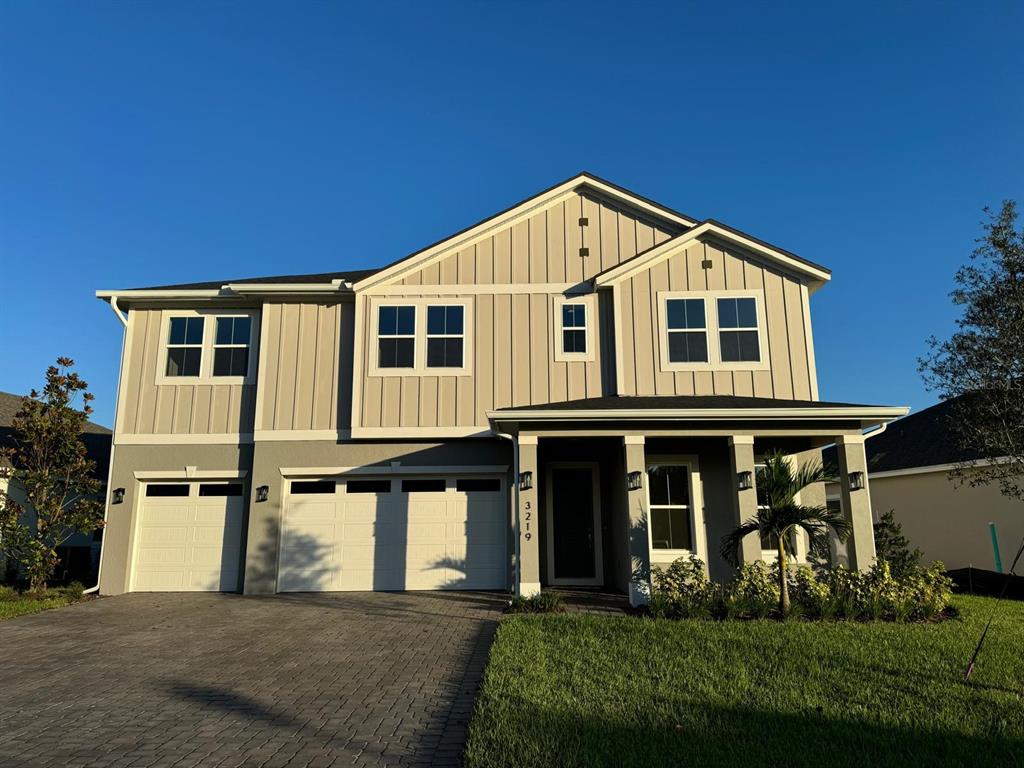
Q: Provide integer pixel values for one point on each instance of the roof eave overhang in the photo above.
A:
(814, 275)
(230, 291)
(867, 416)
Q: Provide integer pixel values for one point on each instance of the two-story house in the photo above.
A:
(563, 394)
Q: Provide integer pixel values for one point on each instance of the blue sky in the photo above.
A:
(148, 143)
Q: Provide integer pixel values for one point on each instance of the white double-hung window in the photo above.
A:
(703, 330)
(208, 345)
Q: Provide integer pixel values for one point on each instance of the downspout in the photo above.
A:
(515, 515)
(110, 467)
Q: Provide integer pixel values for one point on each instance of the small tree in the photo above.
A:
(48, 459)
(982, 363)
(893, 547)
(779, 516)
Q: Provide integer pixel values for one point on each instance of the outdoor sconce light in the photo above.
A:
(633, 481)
(745, 480)
(262, 492)
(118, 496)
(525, 481)
(856, 481)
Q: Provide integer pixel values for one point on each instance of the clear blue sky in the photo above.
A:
(147, 143)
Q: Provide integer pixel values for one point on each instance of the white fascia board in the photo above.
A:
(231, 290)
(204, 293)
(703, 414)
(666, 249)
(504, 218)
(334, 286)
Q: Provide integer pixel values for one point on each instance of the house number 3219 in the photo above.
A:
(527, 517)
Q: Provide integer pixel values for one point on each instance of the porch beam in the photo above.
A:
(528, 522)
(637, 522)
(856, 504)
(744, 502)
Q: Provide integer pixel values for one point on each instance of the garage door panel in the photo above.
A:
(188, 545)
(396, 541)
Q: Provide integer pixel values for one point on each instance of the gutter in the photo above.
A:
(110, 466)
(675, 414)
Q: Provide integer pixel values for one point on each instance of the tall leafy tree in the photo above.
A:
(982, 362)
(47, 458)
(779, 516)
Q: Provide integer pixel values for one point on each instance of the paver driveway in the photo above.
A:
(226, 680)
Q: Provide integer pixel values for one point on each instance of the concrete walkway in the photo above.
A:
(226, 680)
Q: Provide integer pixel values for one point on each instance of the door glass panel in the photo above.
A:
(572, 500)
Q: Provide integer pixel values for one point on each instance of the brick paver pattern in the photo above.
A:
(303, 681)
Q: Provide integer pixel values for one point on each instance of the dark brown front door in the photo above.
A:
(574, 535)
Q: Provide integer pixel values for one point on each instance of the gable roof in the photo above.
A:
(922, 439)
(581, 181)
(96, 438)
(818, 274)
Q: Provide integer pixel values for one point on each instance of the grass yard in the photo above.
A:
(25, 605)
(587, 690)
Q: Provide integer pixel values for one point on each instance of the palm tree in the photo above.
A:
(779, 516)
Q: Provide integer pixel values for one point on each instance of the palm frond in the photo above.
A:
(730, 548)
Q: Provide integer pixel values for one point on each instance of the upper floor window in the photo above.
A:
(231, 347)
(574, 328)
(445, 336)
(687, 331)
(396, 337)
(208, 346)
(738, 331)
(185, 346)
(709, 330)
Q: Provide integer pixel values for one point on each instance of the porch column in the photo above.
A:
(856, 504)
(741, 459)
(528, 546)
(637, 521)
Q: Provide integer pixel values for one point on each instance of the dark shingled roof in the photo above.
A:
(96, 438)
(922, 439)
(352, 276)
(677, 401)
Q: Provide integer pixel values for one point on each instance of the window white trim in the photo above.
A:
(209, 341)
(420, 345)
(589, 303)
(700, 549)
(712, 329)
(442, 369)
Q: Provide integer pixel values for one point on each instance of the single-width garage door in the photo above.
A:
(188, 538)
(394, 533)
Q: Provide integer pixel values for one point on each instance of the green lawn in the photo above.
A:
(585, 690)
(20, 606)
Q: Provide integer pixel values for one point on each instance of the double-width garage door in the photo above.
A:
(394, 533)
(188, 538)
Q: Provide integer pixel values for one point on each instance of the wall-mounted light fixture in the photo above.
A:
(634, 481)
(525, 481)
(262, 493)
(745, 480)
(856, 481)
(117, 497)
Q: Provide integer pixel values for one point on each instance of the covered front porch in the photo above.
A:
(607, 490)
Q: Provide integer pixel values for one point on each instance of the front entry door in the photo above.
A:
(574, 525)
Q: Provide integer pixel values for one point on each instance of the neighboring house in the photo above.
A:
(909, 467)
(562, 394)
(79, 556)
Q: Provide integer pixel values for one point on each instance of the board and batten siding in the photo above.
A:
(545, 247)
(305, 374)
(512, 364)
(148, 408)
(791, 372)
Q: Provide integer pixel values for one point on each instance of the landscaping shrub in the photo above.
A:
(920, 594)
(543, 602)
(683, 591)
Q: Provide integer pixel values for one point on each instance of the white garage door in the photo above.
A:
(394, 534)
(188, 538)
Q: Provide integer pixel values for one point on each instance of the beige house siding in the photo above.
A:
(147, 408)
(789, 350)
(545, 248)
(949, 522)
(512, 363)
(305, 375)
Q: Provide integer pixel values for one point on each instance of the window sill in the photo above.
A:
(171, 381)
